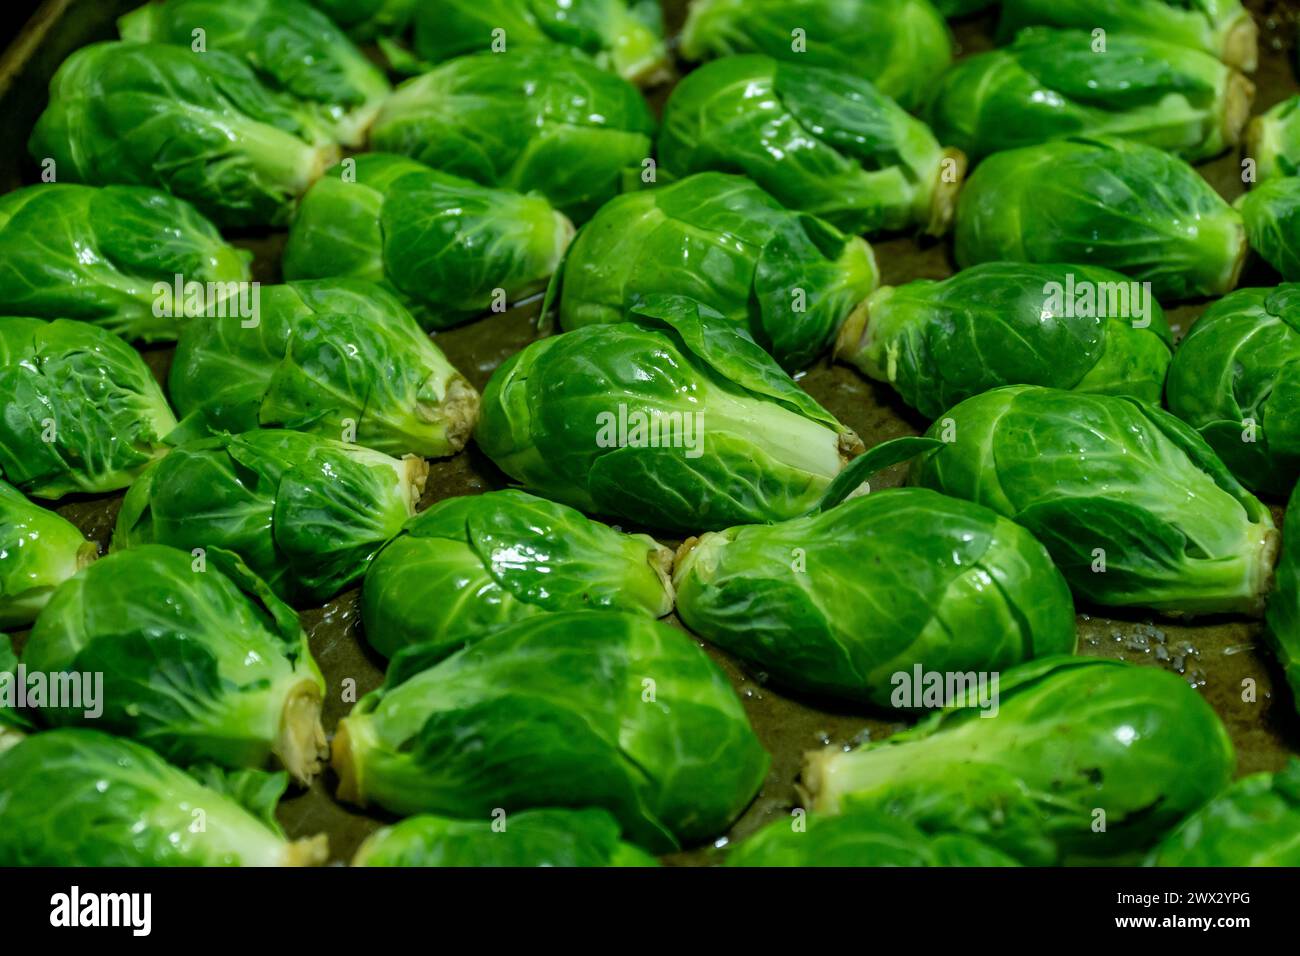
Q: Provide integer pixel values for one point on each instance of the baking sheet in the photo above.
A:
(1218, 655)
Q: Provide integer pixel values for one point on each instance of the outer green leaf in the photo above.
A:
(368, 19)
(1273, 141)
(39, 550)
(1272, 214)
(580, 709)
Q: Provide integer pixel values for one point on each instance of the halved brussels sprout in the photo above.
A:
(1076, 741)
(199, 125)
(468, 565)
(624, 36)
(78, 252)
(1272, 214)
(587, 708)
(1236, 379)
(1252, 823)
(305, 513)
(1222, 28)
(1050, 84)
(1282, 621)
(673, 419)
(339, 358)
(840, 602)
(787, 278)
(531, 120)
(902, 46)
(294, 49)
(1106, 202)
(373, 218)
(1273, 141)
(39, 550)
(82, 798)
(83, 413)
(587, 837)
(1134, 506)
(861, 838)
(818, 140)
(1075, 327)
(199, 660)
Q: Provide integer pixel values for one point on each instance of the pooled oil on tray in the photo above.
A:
(1223, 657)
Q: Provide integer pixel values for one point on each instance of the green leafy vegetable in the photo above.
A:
(199, 660)
(1050, 84)
(305, 513)
(294, 49)
(39, 550)
(199, 125)
(1282, 620)
(1106, 202)
(531, 838)
(580, 709)
(448, 247)
(338, 358)
(82, 798)
(1272, 214)
(861, 838)
(1255, 822)
(531, 120)
(468, 565)
(788, 279)
(104, 255)
(1219, 27)
(674, 419)
(819, 140)
(82, 410)
(902, 46)
(1134, 506)
(1273, 141)
(1010, 323)
(368, 19)
(1075, 741)
(841, 602)
(1236, 379)
(625, 36)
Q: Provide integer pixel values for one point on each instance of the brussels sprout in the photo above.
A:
(818, 140)
(368, 19)
(534, 119)
(1282, 622)
(1273, 141)
(861, 838)
(1051, 84)
(199, 660)
(625, 36)
(1252, 823)
(879, 584)
(376, 222)
(468, 565)
(82, 410)
(337, 358)
(294, 49)
(1074, 327)
(1272, 214)
(1134, 506)
(305, 513)
(902, 46)
(77, 252)
(199, 125)
(1073, 735)
(82, 798)
(789, 279)
(1106, 202)
(1219, 27)
(39, 550)
(1236, 379)
(585, 708)
(674, 419)
(531, 838)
